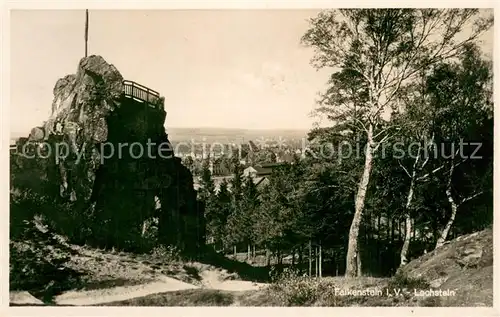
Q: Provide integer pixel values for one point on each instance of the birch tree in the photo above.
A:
(462, 93)
(374, 54)
(444, 94)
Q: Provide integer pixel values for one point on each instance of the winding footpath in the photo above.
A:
(210, 280)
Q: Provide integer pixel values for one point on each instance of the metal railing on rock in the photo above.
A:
(142, 93)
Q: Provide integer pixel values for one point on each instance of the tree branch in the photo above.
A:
(384, 130)
(428, 156)
(424, 177)
(404, 168)
(470, 197)
(381, 141)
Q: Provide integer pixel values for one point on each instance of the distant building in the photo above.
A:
(260, 173)
(261, 182)
(13, 146)
(266, 169)
(250, 171)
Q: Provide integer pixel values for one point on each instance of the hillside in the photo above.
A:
(464, 266)
(68, 274)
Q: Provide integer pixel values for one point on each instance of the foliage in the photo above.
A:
(401, 281)
(291, 289)
(166, 253)
(235, 227)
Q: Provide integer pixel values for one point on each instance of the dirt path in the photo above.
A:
(210, 279)
(23, 298)
(100, 296)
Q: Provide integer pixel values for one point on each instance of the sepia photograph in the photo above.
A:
(321, 157)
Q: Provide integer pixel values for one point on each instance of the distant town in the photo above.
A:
(256, 158)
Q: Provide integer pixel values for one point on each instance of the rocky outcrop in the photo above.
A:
(463, 265)
(108, 156)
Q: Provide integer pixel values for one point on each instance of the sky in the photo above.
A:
(216, 68)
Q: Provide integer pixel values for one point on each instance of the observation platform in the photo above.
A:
(143, 94)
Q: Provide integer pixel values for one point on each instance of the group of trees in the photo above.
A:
(228, 209)
(390, 61)
(413, 90)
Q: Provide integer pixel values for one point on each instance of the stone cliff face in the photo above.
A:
(111, 159)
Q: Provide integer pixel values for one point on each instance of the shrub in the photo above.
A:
(291, 289)
(401, 280)
(60, 216)
(166, 253)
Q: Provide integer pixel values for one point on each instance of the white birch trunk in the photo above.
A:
(320, 262)
(454, 207)
(446, 230)
(316, 264)
(310, 258)
(353, 259)
(408, 227)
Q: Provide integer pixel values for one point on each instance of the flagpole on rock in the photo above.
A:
(86, 30)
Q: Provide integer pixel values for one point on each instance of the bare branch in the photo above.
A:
(424, 177)
(361, 123)
(470, 197)
(324, 187)
(404, 168)
(382, 141)
(384, 130)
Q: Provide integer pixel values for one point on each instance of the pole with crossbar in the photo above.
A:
(86, 30)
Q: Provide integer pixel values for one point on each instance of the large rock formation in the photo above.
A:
(111, 160)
